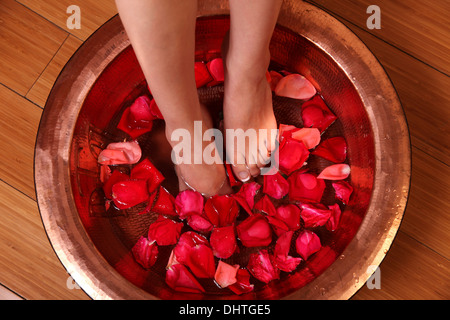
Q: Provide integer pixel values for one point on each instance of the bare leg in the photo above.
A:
(248, 98)
(162, 34)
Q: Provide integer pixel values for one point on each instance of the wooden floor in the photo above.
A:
(413, 45)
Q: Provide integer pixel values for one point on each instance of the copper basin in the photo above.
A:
(103, 77)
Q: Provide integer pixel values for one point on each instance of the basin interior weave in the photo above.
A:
(114, 232)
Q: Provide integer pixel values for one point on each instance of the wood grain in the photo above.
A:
(43, 85)
(28, 43)
(93, 13)
(29, 266)
(419, 28)
(19, 121)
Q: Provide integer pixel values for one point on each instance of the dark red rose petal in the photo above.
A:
(145, 252)
(260, 266)
(316, 114)
(225, 274)
(202, 75)
(307, 243)
(273, 78)
(275, 185)
(315, 215)
(189, 202)
(115, 177)
(127, 194)
(292, 155)
(165, 231)
(145, 170)
(290, 215)
(221, 210)
(165, 203)
(295, 86)
(231, 177)
(180, 279)
(242, 284)
(254, 231)
(223, 242)
(335, 216)
(335, 172)
(137, 119)
(154, 109)
(201, 261)
(343, 191)
(187, 241)
(246, 195)
(332, 149)
(266, 206)
(305, 187)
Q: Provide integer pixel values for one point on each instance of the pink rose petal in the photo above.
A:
(189, 202)
(246, 195)
(343, 191)
(292, 155)
(335, 172)
(314, 215)
(309, 136)
(307, 243)
(120, 153)
(316, 114)
(335, 216)
(242, 284)
(290, 215)
(260, 266)
(180, 279)
(275, 185)
(295, 86)
(281, 259)
(221, 210)
(145, 252)
(137, 119)
(254, 231)
(199, 223)
(225, 274)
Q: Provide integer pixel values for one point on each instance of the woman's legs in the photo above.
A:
(162, 34)
(248, 98)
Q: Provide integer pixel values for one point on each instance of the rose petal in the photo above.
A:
(154, 109)
(295, 86)
(145, 252)
(231, 177)
(202, 75)
(215, 68)
(309, 136)
(335, 172)
(290, 215)
(180, 279)
(201, 261)
(223, 242)
(275, 185)
(260, 266)
(266, 206)
(305, 187)
(292, 155)
(186, 242)
(165, 231)
(137, 119)
(242, 284)
(332, 149)
(254, 231)
(189, 202)
(115, 177)
(145, 170)
(120, 153)
(335, 216)
(281, 259)
(165, 203)
(246, 195)
(316, 114)
(314, 215)
(199, 223)
(225, 274)
(127, 194)
(221, 210)
(343, 191)
(307, 243)
(105, 173)
(273, 78)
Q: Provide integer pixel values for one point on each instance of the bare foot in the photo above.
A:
(208, 179)
(248, 106)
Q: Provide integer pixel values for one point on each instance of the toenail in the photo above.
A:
(244, 176)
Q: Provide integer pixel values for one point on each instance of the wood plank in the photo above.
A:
(422, 91)
(6, 294)
(42, 87)
(28, 44)
(410, 271)
(427, 218)
(29, 265)
(93, 13)
(19, 122)
(419, 28)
